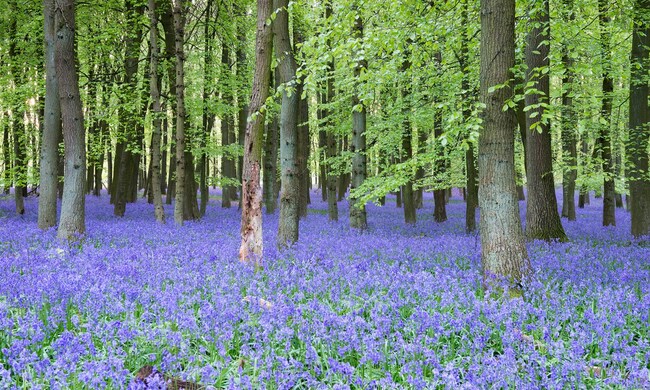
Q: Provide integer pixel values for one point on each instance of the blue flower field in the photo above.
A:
(396, 307)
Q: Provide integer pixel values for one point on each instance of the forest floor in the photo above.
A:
(394, 307)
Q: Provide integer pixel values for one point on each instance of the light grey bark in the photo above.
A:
(290, 179)
(179, 41)
(51, 128)
(358, 218)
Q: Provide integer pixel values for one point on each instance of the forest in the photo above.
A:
(202, 194)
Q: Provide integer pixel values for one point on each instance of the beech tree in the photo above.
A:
(358, 209)
(639, 135)
(503, 253)
(156, 112)
(51, 126)
(290, 179)
(542, 218)
(72, 221)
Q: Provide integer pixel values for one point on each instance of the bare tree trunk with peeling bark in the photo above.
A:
(252, 248)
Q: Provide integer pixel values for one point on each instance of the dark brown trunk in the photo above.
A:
(542, 218)
(604, 142)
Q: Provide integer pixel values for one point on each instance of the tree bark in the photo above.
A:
(51, 128)
(290, 190)
(179, 41)
(208, 116)
(569, 124)
(17, 126)
(227, 162)
(72, 222)
(407, 135)
(330, 151)
(271, 163)
(358, 218)
(604, 137)
(503, 253)
(159, 211)
(542, 218)
(639, 134)
(251, 249)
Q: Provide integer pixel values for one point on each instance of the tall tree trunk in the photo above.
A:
(51, 128)
(243, 113)
(407, 135)
(159, 211)
(20, 166)
(637, 146)
(290, 193)
(7, 160)
(252, 248)
(503, 252)
(270, 165)
(542, 218)
(330, 151)
(227, 131)
(604, 137)
(322, 148)
(123, 156)
(439, 197)
(569, 141)
(471, 186)
(167, 20)
(17, 125)
(358, 219)
(179, 40)
(208, 117)
(271, 160)
(72, 222)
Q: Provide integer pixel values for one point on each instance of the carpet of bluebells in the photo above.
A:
(395, 307)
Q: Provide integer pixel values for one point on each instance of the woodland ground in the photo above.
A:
(395, 307)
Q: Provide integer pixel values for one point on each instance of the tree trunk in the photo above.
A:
(604, 137)
(637, 146)
(583, 197)
(7, 159)
(407, 135)
(72, 222)
(251, 249)
(542, 218)
(208, 117)
(358, 219)
(243, 113)
(159, 211)
(17, 126)
(51, 128)
(290, 193)
(179, 41)
(167, 20)
(123, 165)
(332, 205)
(227, 162)
(503, 253)
(271, 161)
(569, 125)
